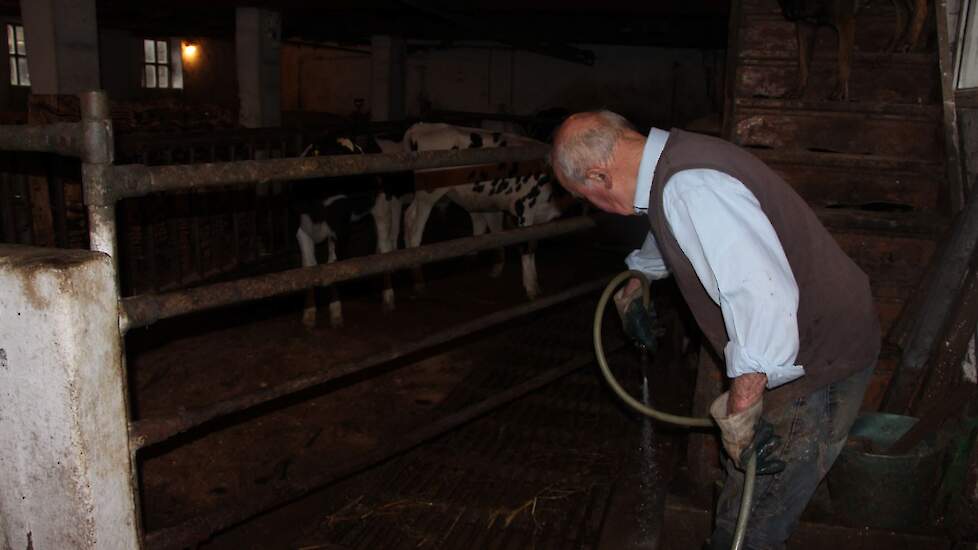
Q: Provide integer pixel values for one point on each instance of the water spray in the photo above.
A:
(679, 420)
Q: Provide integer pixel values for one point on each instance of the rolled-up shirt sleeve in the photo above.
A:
(739, 259)
(648, 260)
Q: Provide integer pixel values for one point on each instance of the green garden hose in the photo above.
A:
(687, 421)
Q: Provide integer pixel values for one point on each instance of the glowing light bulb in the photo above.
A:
(189, 51)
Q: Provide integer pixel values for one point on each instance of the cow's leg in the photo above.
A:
(307, 248)
(479, 226)
(335, 306)
(528, 259)
(382, 222)
(495, 222)
(900, 31)
(806, 45)
(917, 19)
(415, 219)
(847, 37)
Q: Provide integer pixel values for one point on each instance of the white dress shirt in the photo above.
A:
(738, 258)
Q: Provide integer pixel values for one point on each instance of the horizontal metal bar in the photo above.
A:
(135, 180)
(144, 433)
(63, 138)
(202, 526)
(146, 309)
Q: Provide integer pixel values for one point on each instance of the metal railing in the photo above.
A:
(104, 184)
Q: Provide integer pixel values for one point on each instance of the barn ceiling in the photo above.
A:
(551, 23)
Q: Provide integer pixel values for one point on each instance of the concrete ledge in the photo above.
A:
(65, 470)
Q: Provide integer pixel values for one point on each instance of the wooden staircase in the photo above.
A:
(873, 167)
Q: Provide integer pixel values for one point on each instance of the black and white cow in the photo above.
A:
(529, 199)
(326, 213)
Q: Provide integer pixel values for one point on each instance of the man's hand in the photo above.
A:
(637, 321)
(744, 431)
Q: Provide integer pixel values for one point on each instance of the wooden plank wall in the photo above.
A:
(872, 165)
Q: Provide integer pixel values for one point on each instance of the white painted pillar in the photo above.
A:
(62, 45)
(387, 75)
(65, 472)
(258, 42)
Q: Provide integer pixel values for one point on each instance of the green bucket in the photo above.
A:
(884, 491)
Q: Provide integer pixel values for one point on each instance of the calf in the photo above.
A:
(326, 213)
(529, 199)
(809, 15)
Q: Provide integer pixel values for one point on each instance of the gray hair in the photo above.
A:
(574, 155)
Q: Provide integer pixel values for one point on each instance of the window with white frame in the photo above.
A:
(17, 51)
(161, 65)
(967, 76)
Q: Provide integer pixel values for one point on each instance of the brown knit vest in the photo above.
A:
(837, 321)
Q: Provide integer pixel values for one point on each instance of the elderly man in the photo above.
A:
(791, 315)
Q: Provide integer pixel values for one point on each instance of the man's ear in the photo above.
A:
(598, 176)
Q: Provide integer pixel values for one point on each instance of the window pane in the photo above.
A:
(163, 79)
(161, 52)
(967, 70)
(149, 52)
(176, 73)
(10, 39)
(25, 77)
(13, 72)
(21, 47)
(150, 76)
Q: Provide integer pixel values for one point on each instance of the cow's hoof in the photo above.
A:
(533, 294)
(336, 315)
(309, 318)
(388, 298)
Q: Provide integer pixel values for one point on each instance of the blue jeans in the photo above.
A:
(813, 432)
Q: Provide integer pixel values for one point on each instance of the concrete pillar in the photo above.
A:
(258, 42)
(65, 471)
(62, 45)
(387, 77)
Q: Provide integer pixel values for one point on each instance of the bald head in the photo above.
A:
(587, 140)
(596, 156)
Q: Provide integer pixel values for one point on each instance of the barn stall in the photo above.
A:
(469, 416)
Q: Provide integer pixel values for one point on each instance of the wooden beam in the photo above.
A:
(448, 177)
(952, 145)
(505, 35)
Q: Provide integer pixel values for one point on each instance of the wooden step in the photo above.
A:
(883, 129)
(911, 112)
(838, 180)
(918, 225)
(897, 78)
(892, 248)
(766, 35)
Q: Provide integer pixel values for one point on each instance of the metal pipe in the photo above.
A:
(63, 138)
(135, 180)
(143, 310)
(96, 150)
(202, 526)
(144, 433)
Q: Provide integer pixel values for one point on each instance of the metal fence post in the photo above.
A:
(97, 154)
